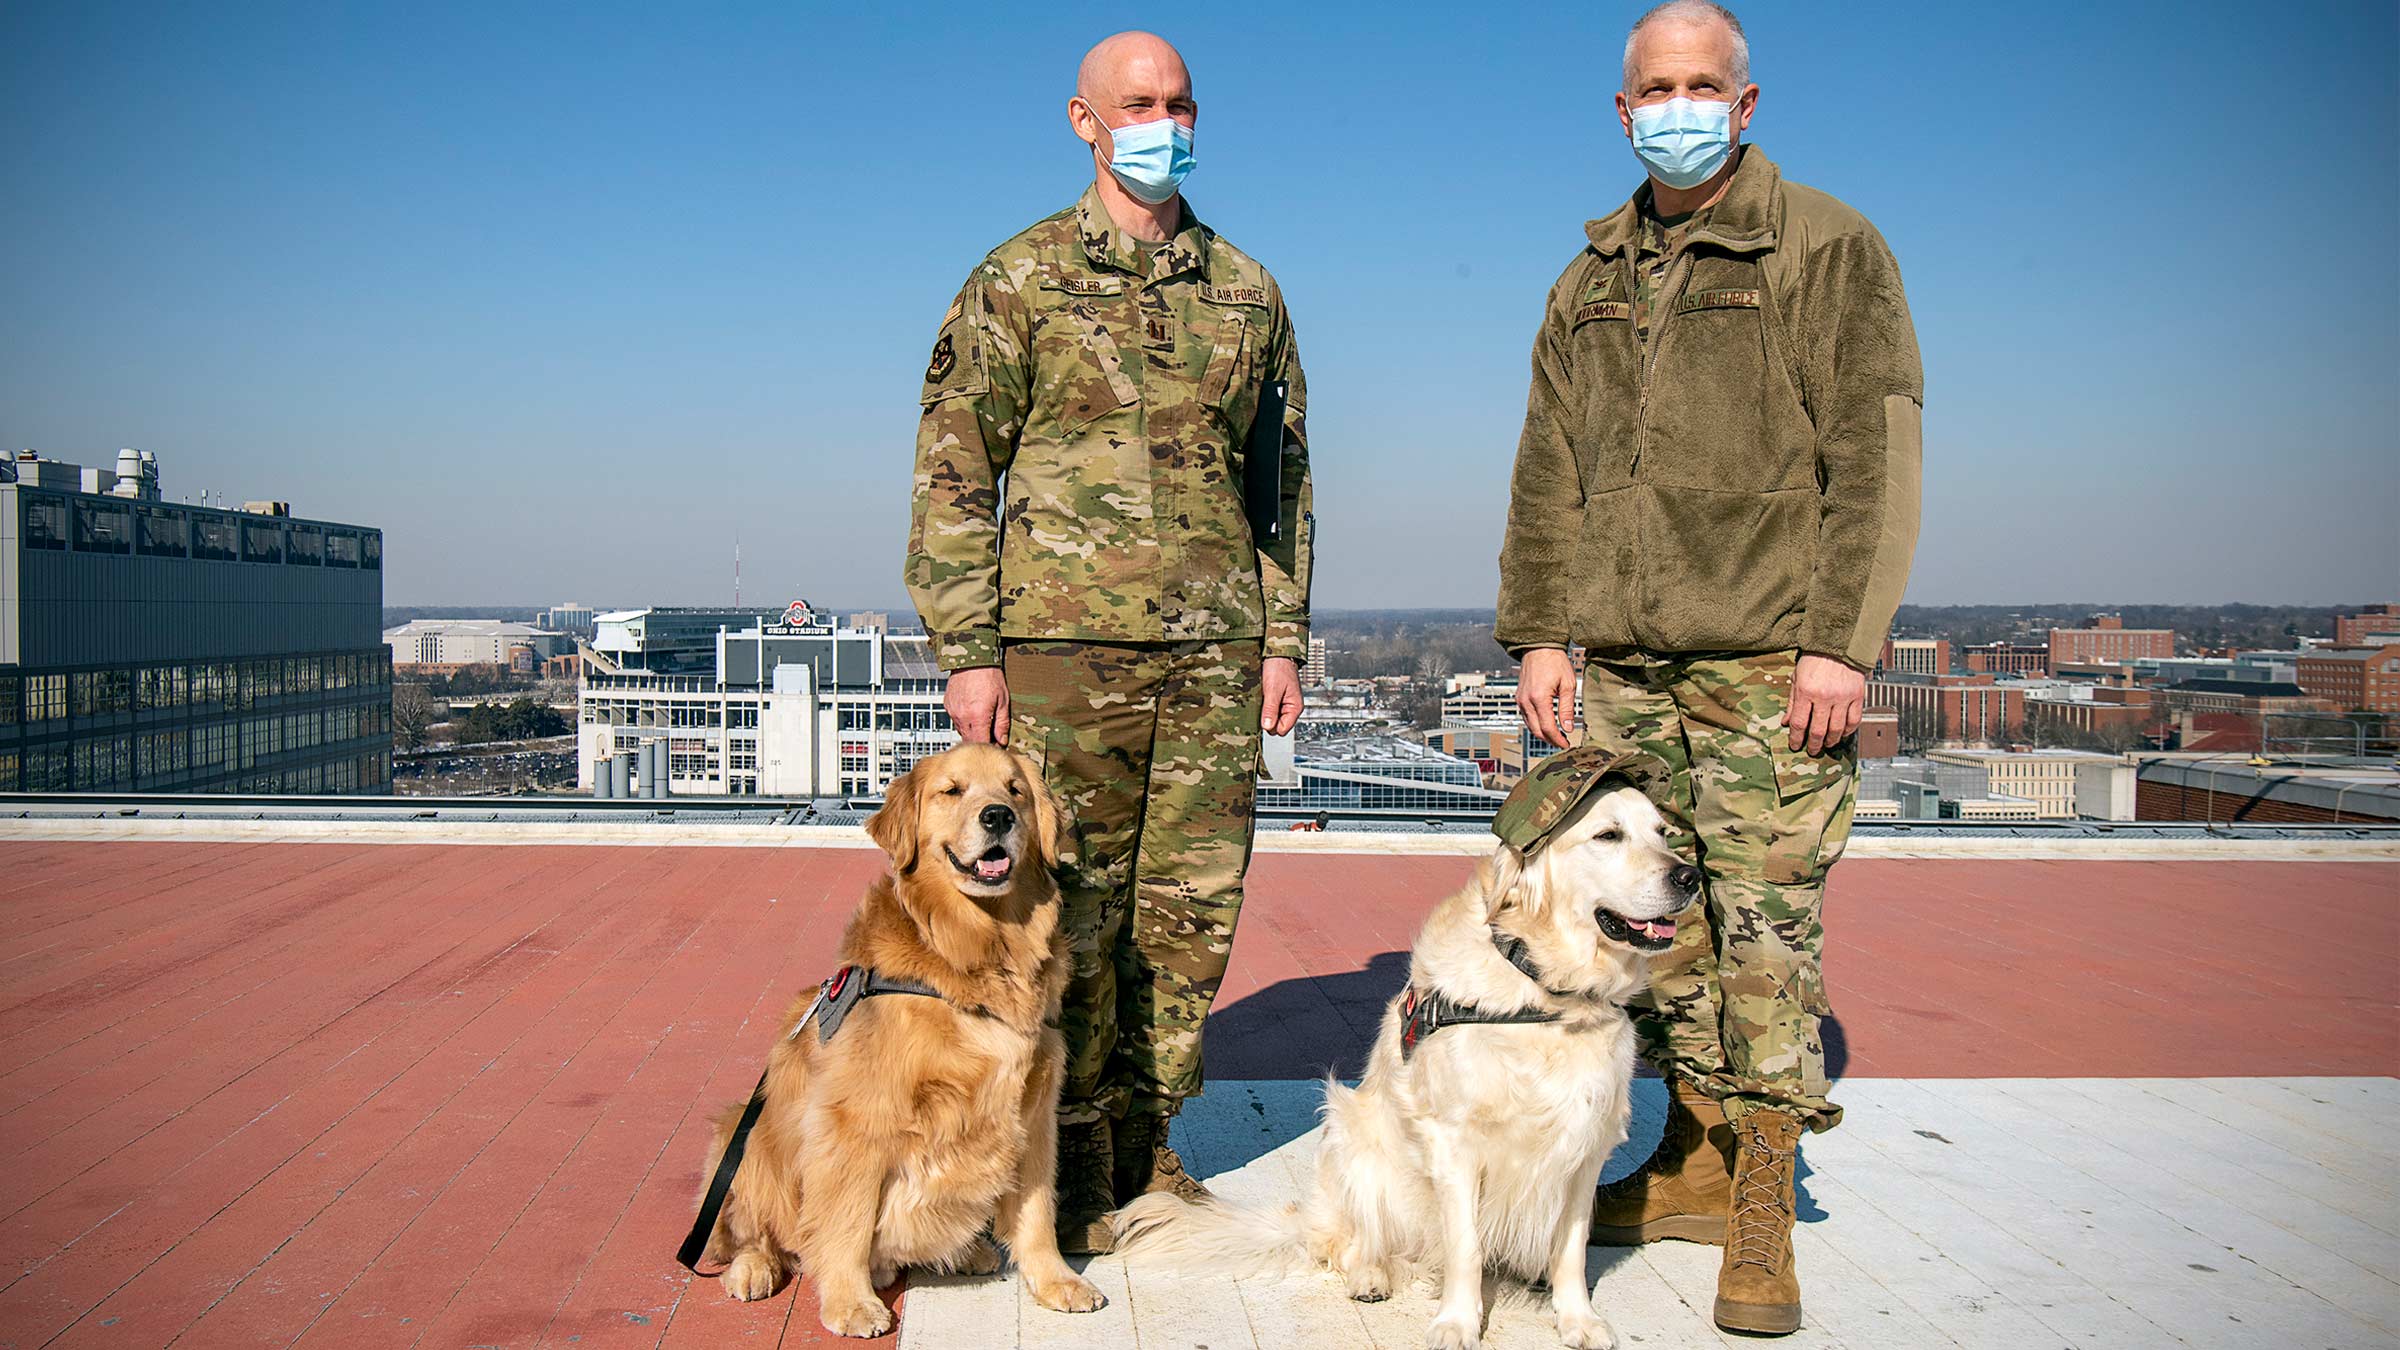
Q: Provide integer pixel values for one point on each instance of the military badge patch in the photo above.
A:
(945, 357)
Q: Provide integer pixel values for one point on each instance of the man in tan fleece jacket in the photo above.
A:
(1716, 498)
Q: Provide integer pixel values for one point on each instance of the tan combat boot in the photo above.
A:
(1146, 1162)
(1085, 1194)
(1758, 1288)
(1684, 1190)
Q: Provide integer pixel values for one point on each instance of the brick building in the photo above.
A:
(1878, 734)
(2370, 627)
(1970, 709)
(2107, 642)
(2250, 698)
(2110, 713)
(2354, 679)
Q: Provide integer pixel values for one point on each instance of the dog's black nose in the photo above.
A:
(1685, 878)
(997, 818)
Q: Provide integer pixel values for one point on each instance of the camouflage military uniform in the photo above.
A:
(1078, 522)
(1153, 748)
(1654, 252)
(1720, 470)
(1734, 1005)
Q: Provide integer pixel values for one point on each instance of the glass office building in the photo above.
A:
(1380, 773)
(147, 646)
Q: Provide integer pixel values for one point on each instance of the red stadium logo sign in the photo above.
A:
(797, 614)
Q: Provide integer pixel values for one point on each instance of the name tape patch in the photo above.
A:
(1603, 309)
(1747, 299)
(1234, 295)
(1086, 285)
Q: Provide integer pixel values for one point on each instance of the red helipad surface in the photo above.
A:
(452, 1095)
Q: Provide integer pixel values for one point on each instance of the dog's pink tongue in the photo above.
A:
(1663, 928)
(991, 869)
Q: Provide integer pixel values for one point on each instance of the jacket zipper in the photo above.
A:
(1678, 272)
(1678, 275)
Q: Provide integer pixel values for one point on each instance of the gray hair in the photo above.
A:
(1696, 11)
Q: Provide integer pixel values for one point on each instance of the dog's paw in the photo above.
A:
(751, 1276)
(1368, 1284)
(1453, 1333)
(1069, 1293)
(883, 1276)
(980, 1258)
(865, 1317)
(1585, 1331)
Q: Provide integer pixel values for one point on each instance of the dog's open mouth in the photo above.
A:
(991, 868)
(1643, 935)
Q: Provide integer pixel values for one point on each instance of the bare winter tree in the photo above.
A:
(414, 712)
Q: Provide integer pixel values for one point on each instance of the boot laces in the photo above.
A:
(1762, 1218)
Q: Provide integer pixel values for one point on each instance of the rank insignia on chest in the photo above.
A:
(945, 357)
(1156, 333)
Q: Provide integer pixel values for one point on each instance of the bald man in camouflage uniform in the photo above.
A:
(1080, 554)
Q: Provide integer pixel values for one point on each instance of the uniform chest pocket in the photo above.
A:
(1232, 344)
(1237, 353)
(1601, 349)
(1078, 366)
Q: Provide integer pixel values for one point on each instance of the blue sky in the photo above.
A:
(563, 296)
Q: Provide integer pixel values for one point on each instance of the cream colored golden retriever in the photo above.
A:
(924, 1119)
(1473, 1143)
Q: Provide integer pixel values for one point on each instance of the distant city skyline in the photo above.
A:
(562, 302)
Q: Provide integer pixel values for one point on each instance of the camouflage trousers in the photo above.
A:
(1153, 748)
(1735, 1005)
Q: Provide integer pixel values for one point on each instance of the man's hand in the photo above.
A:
(1827, 699)
(1546, 695)
(977, 701)
(1279, 681)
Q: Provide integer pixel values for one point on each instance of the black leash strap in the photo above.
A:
(696, 1241)
(835, 998)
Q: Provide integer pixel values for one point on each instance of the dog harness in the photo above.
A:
(1422, 1014)
(840, 993)
(835, 998)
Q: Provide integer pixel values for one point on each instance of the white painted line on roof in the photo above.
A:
(702, 834)
(517, 833)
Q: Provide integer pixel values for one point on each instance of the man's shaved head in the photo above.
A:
(1131, 79)
(1129, 57)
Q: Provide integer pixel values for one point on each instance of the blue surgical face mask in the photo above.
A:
(1682, 142)
(1151, 158)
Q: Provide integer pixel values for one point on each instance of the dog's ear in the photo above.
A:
(1052, 828)
(894, 828)
(1503, 879)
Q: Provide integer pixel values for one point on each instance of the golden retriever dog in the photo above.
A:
(924, 1120)
(1475, 1144)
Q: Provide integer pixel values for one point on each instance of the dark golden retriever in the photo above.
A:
(923, 1120)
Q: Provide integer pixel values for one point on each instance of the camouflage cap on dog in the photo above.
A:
(1547, 795)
